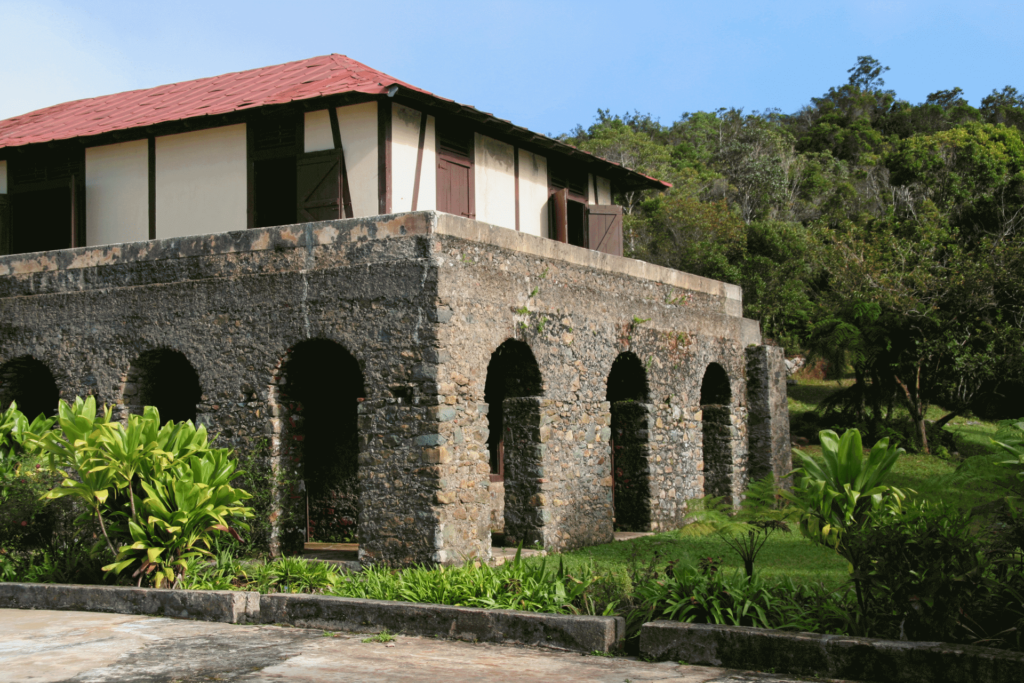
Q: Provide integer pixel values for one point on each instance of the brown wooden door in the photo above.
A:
(560, 215)
(320, 184)
(453, 187)
(605, 227)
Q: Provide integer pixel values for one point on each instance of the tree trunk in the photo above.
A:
(916, 407)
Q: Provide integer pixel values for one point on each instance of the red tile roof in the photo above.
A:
(301, 80)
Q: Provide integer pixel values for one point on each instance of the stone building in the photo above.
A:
(395, 293)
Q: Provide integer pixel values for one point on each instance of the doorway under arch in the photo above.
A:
(320, 390)
(631, 490)
(30, 383)
(717, 432)
(512, 391)
(165, 379)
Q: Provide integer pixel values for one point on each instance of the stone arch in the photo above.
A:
(513, 390)
(315, 394)
(165, 379)
(717, 432)
(30, 383)
(628, 396)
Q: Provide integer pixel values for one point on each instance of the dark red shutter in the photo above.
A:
(560, 214)
(605, 226)
(320, 186)
(453, 187)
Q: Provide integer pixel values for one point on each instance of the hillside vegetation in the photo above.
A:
(879, 235)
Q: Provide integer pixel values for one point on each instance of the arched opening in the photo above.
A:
(717, 432)
(320, 389)
(512, 391)
(30, 383)
(628, 395)
(166, 380)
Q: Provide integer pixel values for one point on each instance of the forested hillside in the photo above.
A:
(881, 235)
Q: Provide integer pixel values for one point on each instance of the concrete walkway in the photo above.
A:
(47, 647)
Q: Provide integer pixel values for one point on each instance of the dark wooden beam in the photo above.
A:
(384, 155)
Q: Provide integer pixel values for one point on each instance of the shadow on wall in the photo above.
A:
(512, 392)
(321, 393)
(165, 379)
(628, 395)
(716, 431)
(30, 383)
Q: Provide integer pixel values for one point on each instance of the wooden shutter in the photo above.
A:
(605, 228)
(6, 241)
(320, 184)
(560, 214)
(453, 187)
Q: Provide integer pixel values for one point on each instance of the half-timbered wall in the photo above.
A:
(117, 193)
(201, 182)
(358, 127)
(533, 194)
(495, 182)
(405, 144)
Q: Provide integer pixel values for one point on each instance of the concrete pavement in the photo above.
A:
(86, 647)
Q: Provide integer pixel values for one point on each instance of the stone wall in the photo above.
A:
(769, 413)
(421, 301)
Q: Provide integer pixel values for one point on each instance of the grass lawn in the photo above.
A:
(791, 555)
(783, 555)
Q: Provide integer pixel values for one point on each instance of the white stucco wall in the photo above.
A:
(357, 124)
(604, 191)
(533, 194)
(117, 193)
(201, 182)
(405, 140)
(495, 181)
(3, 176)
(317, 135)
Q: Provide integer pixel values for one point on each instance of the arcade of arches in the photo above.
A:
(201, 326)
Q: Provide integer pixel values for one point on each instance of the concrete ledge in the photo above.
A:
(565, 632)
(812, 654)
(232, 607)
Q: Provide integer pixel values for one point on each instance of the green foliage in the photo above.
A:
(176, 486)
(746, 530)
(839, 495)
(707, 595)
(384, 636)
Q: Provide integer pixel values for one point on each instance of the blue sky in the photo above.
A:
(546, 66)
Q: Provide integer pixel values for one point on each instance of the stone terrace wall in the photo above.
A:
(421, 300)
(496, 284)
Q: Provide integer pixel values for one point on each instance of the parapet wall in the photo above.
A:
(422, 301)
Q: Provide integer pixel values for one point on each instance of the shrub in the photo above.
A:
(161, 490)
(707, 595)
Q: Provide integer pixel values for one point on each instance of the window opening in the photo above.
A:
(322, 390)
(166, 380)
(512, 390)
(716, 432)
(455, 182)
(275, 148)
(628, 395)
(47, 200)
(30, 383)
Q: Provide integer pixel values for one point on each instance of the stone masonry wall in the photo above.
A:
(769, 413)
(421, 301)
